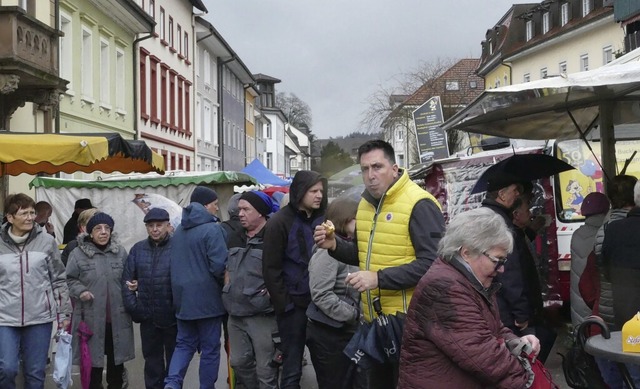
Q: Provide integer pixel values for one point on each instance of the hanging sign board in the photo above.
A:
(432, 139)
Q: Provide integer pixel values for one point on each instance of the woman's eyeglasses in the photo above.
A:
(499, 261)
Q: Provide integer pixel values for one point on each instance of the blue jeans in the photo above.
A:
(203, 334)
(292, 327)
(31, 343)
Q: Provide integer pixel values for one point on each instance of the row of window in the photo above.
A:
(208, 165)
(175, 161)
(96, 45)
(455, 85)
(235, 135)
(565, 16)
(607, 56)
(232, 84)
(171, 34)
(207, 127)
(173, 111)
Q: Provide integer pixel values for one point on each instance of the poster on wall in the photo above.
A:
(431, 138)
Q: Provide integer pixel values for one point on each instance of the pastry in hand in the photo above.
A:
(329, 228)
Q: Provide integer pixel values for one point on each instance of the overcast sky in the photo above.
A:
(333, 54)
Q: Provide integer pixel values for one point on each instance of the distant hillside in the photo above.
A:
(349, 143)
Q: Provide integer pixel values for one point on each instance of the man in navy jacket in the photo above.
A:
(148, 299)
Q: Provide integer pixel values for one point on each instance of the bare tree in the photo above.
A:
(297, 111)
(388, 108)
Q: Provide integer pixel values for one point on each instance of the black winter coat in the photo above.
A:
(622, 262)
(514, 298)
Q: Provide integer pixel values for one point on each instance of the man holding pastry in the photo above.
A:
(398, 227)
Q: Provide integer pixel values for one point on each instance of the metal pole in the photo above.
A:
(607, 140)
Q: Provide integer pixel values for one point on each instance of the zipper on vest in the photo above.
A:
(368, 262)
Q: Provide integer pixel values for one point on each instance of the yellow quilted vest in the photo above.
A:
(384, 240)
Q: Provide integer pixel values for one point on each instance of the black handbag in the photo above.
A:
(579, 368)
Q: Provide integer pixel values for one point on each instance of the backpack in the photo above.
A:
(579, 368)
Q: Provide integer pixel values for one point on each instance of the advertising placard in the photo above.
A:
(432, 139)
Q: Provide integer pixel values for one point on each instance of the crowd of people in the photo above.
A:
(281, 276)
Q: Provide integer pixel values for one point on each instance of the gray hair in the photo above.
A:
(232, 205)
(478, 230)
(636, 194)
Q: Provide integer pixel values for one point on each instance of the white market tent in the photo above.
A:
(116, 196)
(565, 107)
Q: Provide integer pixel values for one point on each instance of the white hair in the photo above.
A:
(636, 193)
(478, 230)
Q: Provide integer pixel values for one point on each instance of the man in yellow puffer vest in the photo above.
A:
(398, 228)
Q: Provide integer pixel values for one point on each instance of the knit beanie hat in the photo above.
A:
(100, 218)
(261, 202)
(203, 195)
(594, 203)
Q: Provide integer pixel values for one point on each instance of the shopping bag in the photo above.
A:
(63, 361)
(539, 376)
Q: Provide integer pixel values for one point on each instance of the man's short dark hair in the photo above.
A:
(378, 144)
(620, 191)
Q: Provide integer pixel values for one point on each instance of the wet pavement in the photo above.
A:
(136, 380)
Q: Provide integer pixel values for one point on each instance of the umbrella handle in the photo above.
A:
(377, 305)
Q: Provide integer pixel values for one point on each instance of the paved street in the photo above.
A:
(136, 380)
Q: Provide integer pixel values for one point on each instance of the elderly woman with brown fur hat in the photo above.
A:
(94, 275)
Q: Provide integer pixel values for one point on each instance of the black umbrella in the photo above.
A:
(527, 167)
(354, 350)
(377, 341)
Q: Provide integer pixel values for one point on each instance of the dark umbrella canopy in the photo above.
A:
(527, 167)
(377, 341)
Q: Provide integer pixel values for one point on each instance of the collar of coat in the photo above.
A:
(163, 242)
(89, 248)
(487, 293)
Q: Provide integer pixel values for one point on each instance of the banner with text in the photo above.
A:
(431, 138)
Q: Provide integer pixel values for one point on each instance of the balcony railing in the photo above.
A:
(28, 63)
(28, 48)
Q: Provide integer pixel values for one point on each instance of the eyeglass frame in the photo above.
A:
(498, 262)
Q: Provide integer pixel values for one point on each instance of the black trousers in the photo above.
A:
(157, 348)
(115, 378)
(333, 368)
